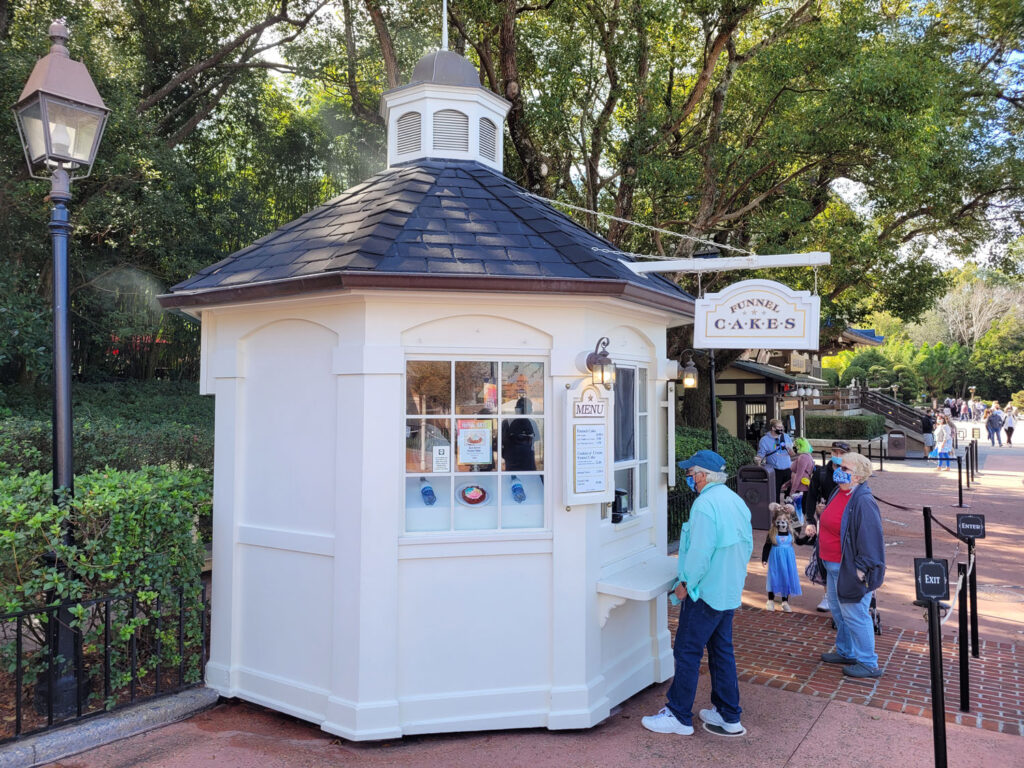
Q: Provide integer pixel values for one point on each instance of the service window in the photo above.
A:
(631, 459)
(474, 445)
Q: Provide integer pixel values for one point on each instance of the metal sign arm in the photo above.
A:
(727, 263)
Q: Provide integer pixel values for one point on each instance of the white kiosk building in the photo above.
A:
(413, 527)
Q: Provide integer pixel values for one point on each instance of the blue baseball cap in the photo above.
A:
(704, 459)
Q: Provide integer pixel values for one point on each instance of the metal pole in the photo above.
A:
(938, 697)
(965, 667)
(967, 470)
(928, 532)
(959, 481)
(972, 581)
(881, 456)
(714, 402)
(61, 693)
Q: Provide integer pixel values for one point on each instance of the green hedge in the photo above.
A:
(689, 440)
(849, 427)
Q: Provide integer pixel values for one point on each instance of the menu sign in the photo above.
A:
(475, 442)
(589, 454)
(588, 443)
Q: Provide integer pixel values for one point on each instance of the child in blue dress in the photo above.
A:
(779, 556)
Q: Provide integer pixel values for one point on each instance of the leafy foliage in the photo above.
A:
(823, 427)
(736, 452)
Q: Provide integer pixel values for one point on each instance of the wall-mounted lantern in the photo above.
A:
(599, 363)
(689, 374)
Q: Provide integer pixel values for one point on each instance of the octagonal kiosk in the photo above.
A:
(415, 468)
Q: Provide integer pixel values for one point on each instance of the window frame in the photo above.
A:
(639, 466)
(454, 475)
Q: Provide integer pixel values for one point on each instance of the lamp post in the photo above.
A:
(895, 388)
(60, 119)
(690, 379)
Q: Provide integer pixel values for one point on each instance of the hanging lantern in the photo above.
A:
(599, 363)
(689, 374)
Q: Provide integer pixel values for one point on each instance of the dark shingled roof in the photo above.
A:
(450, 218)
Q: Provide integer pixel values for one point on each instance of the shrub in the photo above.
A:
(689, 440)
(854, 372)
(1017, 399)
(135, 535)
(831, 375)
(844, 427)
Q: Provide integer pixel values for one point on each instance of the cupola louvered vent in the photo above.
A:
(451, 130)
(488, 139)
(408, 139)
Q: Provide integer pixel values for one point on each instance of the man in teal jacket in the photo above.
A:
(714, 548)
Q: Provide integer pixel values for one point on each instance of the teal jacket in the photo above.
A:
(715, 547)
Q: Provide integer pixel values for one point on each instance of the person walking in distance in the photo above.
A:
(943, 442)
(994, 424)
(1010, 423)
(714, 548)
(775, 450)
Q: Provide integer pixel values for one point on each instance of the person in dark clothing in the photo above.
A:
(517, 439)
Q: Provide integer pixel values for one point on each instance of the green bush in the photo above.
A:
(844, 427)
(854, 372)
(135, 534)
(689, 440)
(831, 375)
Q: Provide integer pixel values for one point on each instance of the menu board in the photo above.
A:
(475, 442)
(589, 457)
(588, 431)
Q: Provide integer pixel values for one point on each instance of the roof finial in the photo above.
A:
(444, 25)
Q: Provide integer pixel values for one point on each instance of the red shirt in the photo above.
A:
(829, 526)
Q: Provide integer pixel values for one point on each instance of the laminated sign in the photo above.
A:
(756, 314)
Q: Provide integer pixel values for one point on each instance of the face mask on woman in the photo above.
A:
(837, 460)
(841, 476)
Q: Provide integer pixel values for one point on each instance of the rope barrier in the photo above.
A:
(956, 594)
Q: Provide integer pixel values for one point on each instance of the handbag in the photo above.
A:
(813, 572)
(934, 454)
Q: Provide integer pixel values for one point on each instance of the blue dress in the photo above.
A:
(783, 577)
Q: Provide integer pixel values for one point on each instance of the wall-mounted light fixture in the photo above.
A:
(599, 363)
(689, 374)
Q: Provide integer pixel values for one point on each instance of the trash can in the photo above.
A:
(756, 486)
(897, 444)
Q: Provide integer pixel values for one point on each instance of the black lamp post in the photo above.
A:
(690, 379)
(61, 119)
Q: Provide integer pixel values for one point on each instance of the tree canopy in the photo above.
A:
(877, 130)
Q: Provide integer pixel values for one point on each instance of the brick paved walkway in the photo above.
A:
(781, 650)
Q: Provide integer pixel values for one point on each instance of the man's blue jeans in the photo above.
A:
(702, 626)
(995, 434)
(855, 633)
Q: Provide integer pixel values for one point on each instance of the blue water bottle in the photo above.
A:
(518, 494)
(427, 492)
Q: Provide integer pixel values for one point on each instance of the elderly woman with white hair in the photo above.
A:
(851, 554)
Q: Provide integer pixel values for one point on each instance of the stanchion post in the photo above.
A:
(967, 471)
(959, 481)
(928, 532)
(965, 667)
(881, 455)
(972, 579)
(938, 696)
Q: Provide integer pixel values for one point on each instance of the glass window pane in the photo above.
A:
(642, 438)
(476, 445)
(625, 407)
(522, 501)
(428, 503)
(476, 387)
(522, 445)
(522, 388)
(624, 482)
(428, 386)
(642, 390)
(476, 503)
(428, 446)
(642, 489)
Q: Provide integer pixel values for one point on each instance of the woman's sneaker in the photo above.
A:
(666, 722)
(715, 724)
(785, 606)
(823, 606)
(770, 605)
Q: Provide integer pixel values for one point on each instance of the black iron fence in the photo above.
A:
(118, 650)
(680, 499)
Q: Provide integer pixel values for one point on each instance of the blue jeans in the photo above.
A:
(855, 633)
(943, 457)
(702, 626)
(993, 435)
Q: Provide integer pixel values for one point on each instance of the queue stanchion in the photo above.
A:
(960, 481)
(963, 640)
(927, 531)
(932, 582)
(972, 579)
(881, 456)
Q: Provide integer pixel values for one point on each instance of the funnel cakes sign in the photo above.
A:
(756, 314)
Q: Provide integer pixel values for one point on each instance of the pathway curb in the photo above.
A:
(104, 729)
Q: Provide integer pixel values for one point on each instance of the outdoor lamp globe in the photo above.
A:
(690, 375)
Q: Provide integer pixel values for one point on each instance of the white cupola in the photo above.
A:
(444, 113)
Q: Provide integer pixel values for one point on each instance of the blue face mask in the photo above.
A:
(691, 483)
(837, 460)
(842, 477)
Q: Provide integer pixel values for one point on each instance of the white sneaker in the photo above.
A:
(711, 717)
(666, 722)
(823, 605)
(770, 605)
(785, 607)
